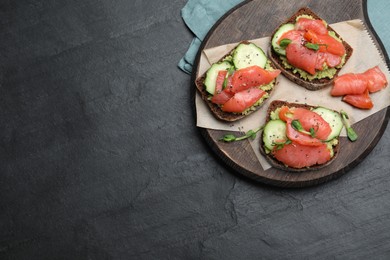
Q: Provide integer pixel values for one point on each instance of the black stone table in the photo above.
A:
(100, 157)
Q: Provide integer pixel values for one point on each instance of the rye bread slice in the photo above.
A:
(279, 165)
(314, 84)
(216, 109)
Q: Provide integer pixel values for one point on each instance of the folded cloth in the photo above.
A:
(378, 11)
(200, 16)
(188, 60)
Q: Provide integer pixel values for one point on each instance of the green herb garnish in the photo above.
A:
(352, 136)
(280, 145)
(297, 126)
(283, 43)
(250, 134)
(312, 46)
(228, 74)
(312, 132)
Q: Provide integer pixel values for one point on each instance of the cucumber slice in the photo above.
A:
(274, 131)
(246, 55)
(212, 73)
(334, 120)
(284, 28)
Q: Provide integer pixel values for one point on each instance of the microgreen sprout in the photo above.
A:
(352, 136)
(228, 74)
(297, 126)
(250, 134)
(283, 43)
(314, 46)
(280, 145)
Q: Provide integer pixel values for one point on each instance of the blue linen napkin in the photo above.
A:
(200, 16)
(378, 11)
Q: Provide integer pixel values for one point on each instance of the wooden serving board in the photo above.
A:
(256, 19)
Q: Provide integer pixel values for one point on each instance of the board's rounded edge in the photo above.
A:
(275, 183)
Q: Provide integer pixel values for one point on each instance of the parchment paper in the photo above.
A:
(365, 55)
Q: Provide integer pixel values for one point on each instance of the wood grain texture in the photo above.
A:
(242, 23)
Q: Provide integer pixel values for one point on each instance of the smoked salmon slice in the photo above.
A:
(242, 89)
(331, 60)
(301, 57)
(362, 101)
(324, 48)
(307, 24)
(243, 100)
(326, 43)
(297, 54)
(349, 83)
(293, 35)
(376, 80)
(220, 79)
(299, 156)
(301, 138)
(355, 87)
(220, 97)
(308, 119)
(356, 83)
(253, 76)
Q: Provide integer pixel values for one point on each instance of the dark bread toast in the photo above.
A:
(314, 84)
(279, 165)
(215, 109)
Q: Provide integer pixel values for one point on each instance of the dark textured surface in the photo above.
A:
(100, 157)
